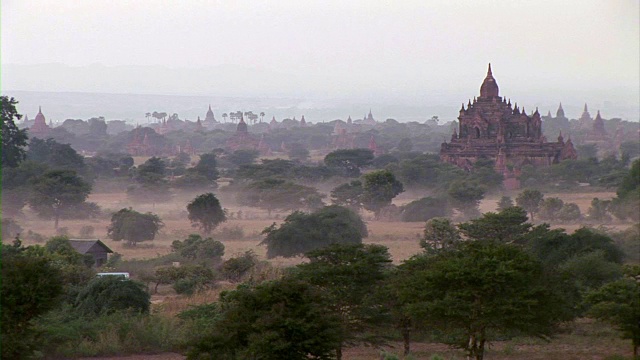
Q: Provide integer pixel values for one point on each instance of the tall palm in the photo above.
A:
(261, 116)
(224, 116)
(147, 115)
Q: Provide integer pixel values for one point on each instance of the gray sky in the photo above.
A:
(540, 50)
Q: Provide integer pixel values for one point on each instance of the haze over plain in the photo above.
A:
(407, 60)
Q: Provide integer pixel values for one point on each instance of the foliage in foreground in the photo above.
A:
(477, 293)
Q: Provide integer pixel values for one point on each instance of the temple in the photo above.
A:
(242, 140)
(39, 129)
(490, 127)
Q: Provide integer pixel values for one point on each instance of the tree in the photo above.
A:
(14, 140)
(508, 226)
(618, 303)
(207, 167)
(599, 210)
(379, 188)
(243, 157)
(301, 233)
(350, 276)
(550, 207)
(505, 202)
(465, 196)
(195, 247)
(439, 234)
(349, 161)
(424, 209)
(275, 194)
(284, 319)
(57, 191)
(56, 155)
(569, 212)
(236, 267)
(348, 195)
(478, 293)
(206, 212)
(30, 288)
(530, 200)
(224, 116)
(298, 152)
(130, 225)
(107, 294)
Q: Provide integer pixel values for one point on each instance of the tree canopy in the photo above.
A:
(301, 232)
(205, 211)
(349, 161)
(478, 293)
(132, 226)
(57, 191)
(14, 140)
(379, 188)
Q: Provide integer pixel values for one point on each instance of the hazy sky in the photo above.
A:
(393, 48)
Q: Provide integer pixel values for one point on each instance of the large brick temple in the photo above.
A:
(490, 127)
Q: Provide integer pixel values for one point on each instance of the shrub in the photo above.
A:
(108, 294)
(235, 268)
(232, 233)
(424, 209)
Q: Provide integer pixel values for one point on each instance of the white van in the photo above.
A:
(124, 275)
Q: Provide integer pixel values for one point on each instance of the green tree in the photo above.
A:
(348, 195)
(379, 188)
(57, 191)
(30, 288)
(284, 319)
(505, 202)
(298, 152)
(301, 233)
(235, 268)
(530, 200)
(350, 276)
(465, 196)
(132, 226)
(107, 294)
(56, 155)
(14, 140)
(276, 194)
(478, 293)
(207, 167)
(243, 157)
(508, 226)
(550, 207)
(206, 212)
(426, 208)
(599, 210)
(195, 247)
(618, 303)
(569, 212)
(349, 161)
(439, 234)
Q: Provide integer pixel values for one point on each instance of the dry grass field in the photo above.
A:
(400, 237)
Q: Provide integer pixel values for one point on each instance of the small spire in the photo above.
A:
(489, 71)
(462, 108)
(39, 109)
(585, 107)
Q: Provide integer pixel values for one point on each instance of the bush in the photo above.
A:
(235, 268)
(232, 233)
(105, 295)
(66, 335)
(424, 209)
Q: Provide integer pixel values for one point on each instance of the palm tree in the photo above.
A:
(261, 115)
(147, 115)
(224, 116)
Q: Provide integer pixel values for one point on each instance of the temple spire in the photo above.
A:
(489, 71)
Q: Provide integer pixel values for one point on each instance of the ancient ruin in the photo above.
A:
(490, 127)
